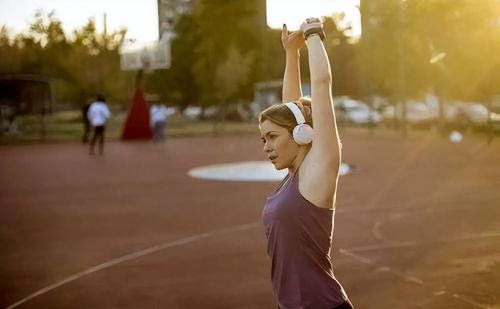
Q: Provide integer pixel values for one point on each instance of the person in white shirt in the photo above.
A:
(159, 114)
(98, 114)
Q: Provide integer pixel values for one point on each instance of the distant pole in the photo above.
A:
(262, 21)
(402, 64)
(105, 21)
(138, 80)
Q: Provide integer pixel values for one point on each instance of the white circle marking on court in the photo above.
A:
(247, 171)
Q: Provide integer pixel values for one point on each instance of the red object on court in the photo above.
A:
(137, 125)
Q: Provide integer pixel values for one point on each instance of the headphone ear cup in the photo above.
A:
(303, 134)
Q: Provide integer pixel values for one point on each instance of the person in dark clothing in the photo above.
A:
(86, 123)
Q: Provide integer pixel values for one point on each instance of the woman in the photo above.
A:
(298, 216)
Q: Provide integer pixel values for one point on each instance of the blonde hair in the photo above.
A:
(281, 115)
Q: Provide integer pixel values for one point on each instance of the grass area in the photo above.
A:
(67, 127)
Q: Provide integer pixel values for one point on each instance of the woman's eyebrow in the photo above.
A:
(267, 133)
(270, 133)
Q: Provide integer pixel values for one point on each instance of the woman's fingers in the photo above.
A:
(293, 35)
(296, 34)
(292, 40)
(284, 32)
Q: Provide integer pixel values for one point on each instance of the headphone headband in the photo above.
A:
(296, 112)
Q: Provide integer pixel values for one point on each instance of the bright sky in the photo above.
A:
(140, 16)
(294, 12)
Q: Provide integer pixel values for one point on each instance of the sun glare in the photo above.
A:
(293, 12)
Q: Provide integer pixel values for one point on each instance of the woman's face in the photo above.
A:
(279, 146)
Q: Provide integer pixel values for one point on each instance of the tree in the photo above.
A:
(222, 24)
(408, 47)
(343, 56)
(232, 74)
(84, 65)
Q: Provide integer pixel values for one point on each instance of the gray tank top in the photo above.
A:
(299, 237)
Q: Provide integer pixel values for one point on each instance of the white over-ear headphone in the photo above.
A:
(302, 132)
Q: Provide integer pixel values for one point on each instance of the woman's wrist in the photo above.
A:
(314, 37)
(292, 52)
(313, 27)
(314, 32)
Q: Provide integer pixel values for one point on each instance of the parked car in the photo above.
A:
(471, 113)
(353, 111)
(197, 113)
(192, 112)
(421, 112)
(428, 110)
(477, 114)
(417, 112)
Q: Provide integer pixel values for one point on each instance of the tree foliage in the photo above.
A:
(409, 47)
(222, 48)
(86, 64)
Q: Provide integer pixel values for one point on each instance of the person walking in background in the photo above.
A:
(159, 114)
(97, 115)
(298, 215)
(86, 123)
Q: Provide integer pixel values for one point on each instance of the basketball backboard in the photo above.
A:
(149, 56)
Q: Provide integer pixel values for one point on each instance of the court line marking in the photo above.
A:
(368, 261)
(403, 244)
(348, 252)
(135, 255)
(351, 253)
(471, 302)
(376, 230)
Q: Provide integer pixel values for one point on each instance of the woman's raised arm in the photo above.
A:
(326, 141)
(292, 43)
(318, 183)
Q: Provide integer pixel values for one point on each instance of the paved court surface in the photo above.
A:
(417, 225)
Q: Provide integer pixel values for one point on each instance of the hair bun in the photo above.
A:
(306, 108)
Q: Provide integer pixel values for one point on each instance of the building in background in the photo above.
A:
(168, 12)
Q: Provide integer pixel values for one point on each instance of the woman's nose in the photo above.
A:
(267, 148)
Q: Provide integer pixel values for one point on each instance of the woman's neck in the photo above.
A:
(294, 167)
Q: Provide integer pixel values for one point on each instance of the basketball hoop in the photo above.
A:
(145, 56)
